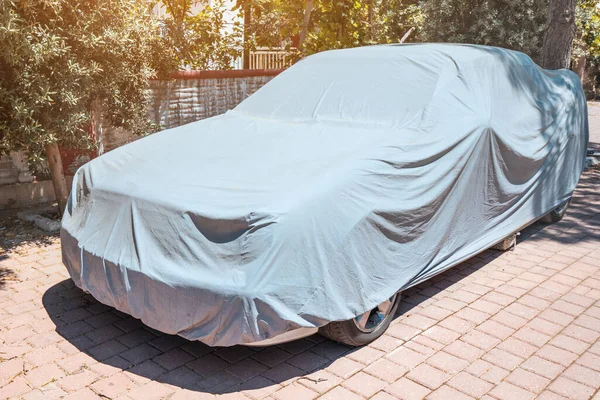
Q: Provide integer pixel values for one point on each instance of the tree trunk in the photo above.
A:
(304, 31)
(247, 22)
(558, 41)
(58, 177)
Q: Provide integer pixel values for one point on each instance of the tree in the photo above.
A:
(558, 40)
(318, 25)
(200, 40)
(513, 24)
(57, 58)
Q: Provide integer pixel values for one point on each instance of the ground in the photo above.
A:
(521, 324)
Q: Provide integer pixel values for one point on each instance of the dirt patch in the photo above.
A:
(15, 232)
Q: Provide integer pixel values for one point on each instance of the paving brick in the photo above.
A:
(16, 387)
(567, 307)
(85, 393)
(502, 359)
(441, 334)
(590, 360)
(480, 340)
(405, 389)
(545, 326)
(206, 365)
(338, 393)
(419, 321)
(77, 380)
(485, 306)
(446, 392)
(581, 333)
(517, 347)
(344, 367)
(531, 336)
(450, 304)
(493, 374)
(365, 355)
(578, 300)
(386, 370)
(507, 319)
(406, 357)
(402, 331)
(437, 313)
(428, 376)
(9, 369)
(112, 386)
(140, 353)
(424, 345)
(464, 351)
(328, 349)
(548, 395)
(106, 350)
(534, 302)
(447, 362)
(43, 375)
(173, 359)
(385, 343)
(496, 329)
(527, 380)
(256, 388)
(472, 315)
(295, 391)
(382, 396)
(542, 367)
(469, 384)
(584, 375)
(571, 389)
(150, 391)
(557, 355)
(364, 384)
(507, 391)
(45, 355)
(144, 372)
(247, 368)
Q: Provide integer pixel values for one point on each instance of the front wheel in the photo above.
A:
(364, 328)
(557, 214)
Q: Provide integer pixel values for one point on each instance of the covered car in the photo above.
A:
(349, 177)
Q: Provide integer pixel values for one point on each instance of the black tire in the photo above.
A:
(348, 333)
(557, 214)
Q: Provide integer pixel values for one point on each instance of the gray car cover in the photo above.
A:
(350, 176)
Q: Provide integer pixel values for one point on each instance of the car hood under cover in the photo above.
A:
(241, 227)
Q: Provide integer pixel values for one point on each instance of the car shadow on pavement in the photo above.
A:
(123, 342)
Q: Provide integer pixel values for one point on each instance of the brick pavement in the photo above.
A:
(516, 325)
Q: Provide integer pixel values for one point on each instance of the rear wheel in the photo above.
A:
(557, 214)
(364, 328)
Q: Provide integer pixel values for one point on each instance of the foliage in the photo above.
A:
(57, 57)
(587, 38)
(199, 40)
(513, 24)
(333, 24)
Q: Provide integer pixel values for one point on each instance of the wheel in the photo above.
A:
(557, 214)
(366, 327)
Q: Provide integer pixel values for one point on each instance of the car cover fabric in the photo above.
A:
(350, 176)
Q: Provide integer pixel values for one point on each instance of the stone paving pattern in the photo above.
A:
(521, 324)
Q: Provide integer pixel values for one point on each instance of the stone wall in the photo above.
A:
(193, 96)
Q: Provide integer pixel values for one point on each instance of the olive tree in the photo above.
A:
(58, 58)
(513, 24)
